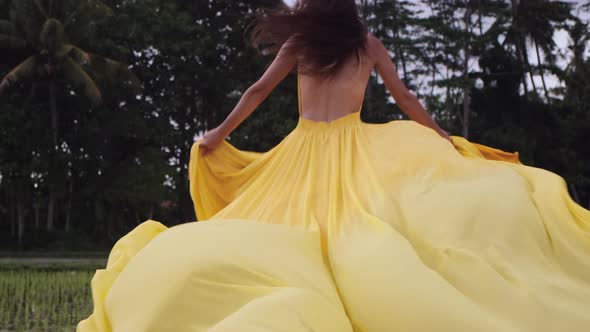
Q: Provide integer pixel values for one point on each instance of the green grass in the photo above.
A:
(44, 298)
(74, 254)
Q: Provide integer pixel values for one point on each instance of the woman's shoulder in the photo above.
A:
(374, 43)
(374, 46)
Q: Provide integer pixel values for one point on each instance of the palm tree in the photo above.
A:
(577, 80)
(38, 28)
(536, 21)
(577, 74)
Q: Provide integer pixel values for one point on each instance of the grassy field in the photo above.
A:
(42, 295)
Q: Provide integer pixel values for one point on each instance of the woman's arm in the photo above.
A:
(403, 97)
(254, 96)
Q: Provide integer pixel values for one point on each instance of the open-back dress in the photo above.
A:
(351, 226)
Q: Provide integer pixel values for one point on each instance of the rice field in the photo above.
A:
(44, 298)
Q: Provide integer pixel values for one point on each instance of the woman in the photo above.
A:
(349, 226)
(348, 61)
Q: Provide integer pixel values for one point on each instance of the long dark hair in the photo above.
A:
(321, 33)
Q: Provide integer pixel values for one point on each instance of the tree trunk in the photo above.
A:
(466, 111)
(37, 219)
(525, 85)
(527, 63)
(397, 47)
(52, 193)
(448, 98)
(53, 106)
(542, 74)
(69, 207)
(364, 9)
(50, 209)
(13, 220)
(404, 66)
(466, 88)
(432, 85)
(399, 50)
(518, 43)
(480, 17)
(21, 221)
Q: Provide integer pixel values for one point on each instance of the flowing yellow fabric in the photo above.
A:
(350, 226)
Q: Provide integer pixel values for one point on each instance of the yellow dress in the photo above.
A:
(350, 226)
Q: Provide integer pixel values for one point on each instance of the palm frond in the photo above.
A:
(27, 18)
(113, 73)
(11, 42)
(74, 73)
(6, 27)
(12, 14)
(79, 55)
(41, 9)
(52, 36)
(84, 17)
(63, 51)
(57, 8)
(24, 70)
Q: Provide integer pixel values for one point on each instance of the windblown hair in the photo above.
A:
(322, 34)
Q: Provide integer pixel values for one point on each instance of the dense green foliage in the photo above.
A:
(77, 174)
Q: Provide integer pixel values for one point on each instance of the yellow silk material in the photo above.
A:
(350, 226)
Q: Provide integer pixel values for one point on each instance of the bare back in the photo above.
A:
(341, 95)
(328, 100)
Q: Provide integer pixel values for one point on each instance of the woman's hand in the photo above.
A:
(211, 140)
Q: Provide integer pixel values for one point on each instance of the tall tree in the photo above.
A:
(38, 29)
(536, 21)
